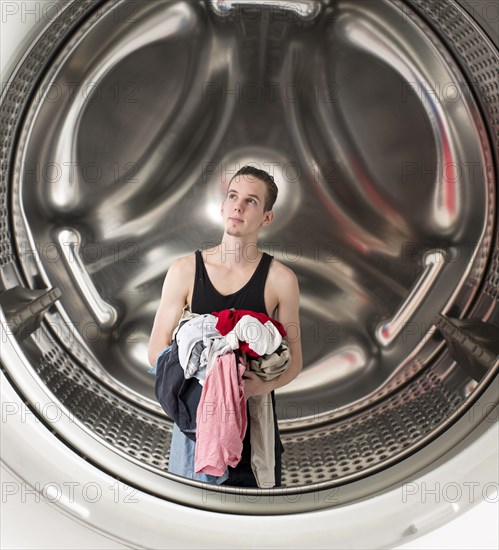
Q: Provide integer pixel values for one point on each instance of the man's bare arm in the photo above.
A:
(173, 299)
(288, 315)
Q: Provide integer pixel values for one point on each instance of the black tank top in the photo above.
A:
(206, 299)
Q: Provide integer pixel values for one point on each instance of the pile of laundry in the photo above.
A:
(200, 385)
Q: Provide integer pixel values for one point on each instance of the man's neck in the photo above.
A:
(237, 253)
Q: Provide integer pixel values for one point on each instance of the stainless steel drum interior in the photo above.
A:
(379, 120)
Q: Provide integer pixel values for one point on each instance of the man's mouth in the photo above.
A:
(235, 220)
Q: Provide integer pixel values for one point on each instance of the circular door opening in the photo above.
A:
(377, 120)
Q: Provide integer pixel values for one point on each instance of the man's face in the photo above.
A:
(243, 208)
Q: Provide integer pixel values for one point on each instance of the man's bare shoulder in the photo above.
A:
(184, 265)
(286, 293)
(282, 277)
(186, 260)
(178, 279)
(281, 270)
(181, 269)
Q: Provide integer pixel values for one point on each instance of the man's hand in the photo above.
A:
(254, 385)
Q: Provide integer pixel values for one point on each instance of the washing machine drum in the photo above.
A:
(123, 122)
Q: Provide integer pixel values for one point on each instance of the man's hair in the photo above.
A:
(262, 176)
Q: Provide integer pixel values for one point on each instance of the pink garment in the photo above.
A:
(221, 418)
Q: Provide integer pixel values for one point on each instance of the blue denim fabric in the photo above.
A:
(164, 350)
(182, 456)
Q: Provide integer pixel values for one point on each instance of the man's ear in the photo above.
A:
(270, 216)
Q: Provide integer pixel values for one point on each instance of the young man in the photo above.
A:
(236, 274)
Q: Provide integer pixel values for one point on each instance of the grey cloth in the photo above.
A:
(199, 343)
(261, 414)
(191, 339)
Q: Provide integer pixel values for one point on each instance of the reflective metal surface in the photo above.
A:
(386, 210)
